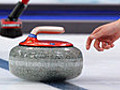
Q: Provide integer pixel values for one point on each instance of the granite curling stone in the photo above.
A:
(45, 60)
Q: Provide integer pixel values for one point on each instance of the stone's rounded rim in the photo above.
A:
(30, 41)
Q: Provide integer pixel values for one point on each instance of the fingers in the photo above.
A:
(112, 45)
(97, 45)
(94, 35)
(104, 45)
(89, 41)
(107, 45)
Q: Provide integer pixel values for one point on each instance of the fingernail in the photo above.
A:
(102, 49)
(87, 48)
(112, 46)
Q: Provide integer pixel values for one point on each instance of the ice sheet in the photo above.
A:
(100, 72)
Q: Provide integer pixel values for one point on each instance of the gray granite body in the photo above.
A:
(45, 63)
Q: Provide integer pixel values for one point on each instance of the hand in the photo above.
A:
(106, 34)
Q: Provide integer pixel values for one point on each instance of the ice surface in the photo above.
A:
(100, 72)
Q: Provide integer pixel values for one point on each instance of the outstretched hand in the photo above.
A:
(106, 34)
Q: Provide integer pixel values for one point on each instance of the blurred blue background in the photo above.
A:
(77, 16)
(67, 1)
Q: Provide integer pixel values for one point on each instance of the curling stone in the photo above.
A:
(45, 60)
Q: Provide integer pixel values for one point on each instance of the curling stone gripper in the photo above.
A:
(45, 60)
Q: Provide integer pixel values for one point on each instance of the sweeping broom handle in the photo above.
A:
(17, 11)
(48, 30)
